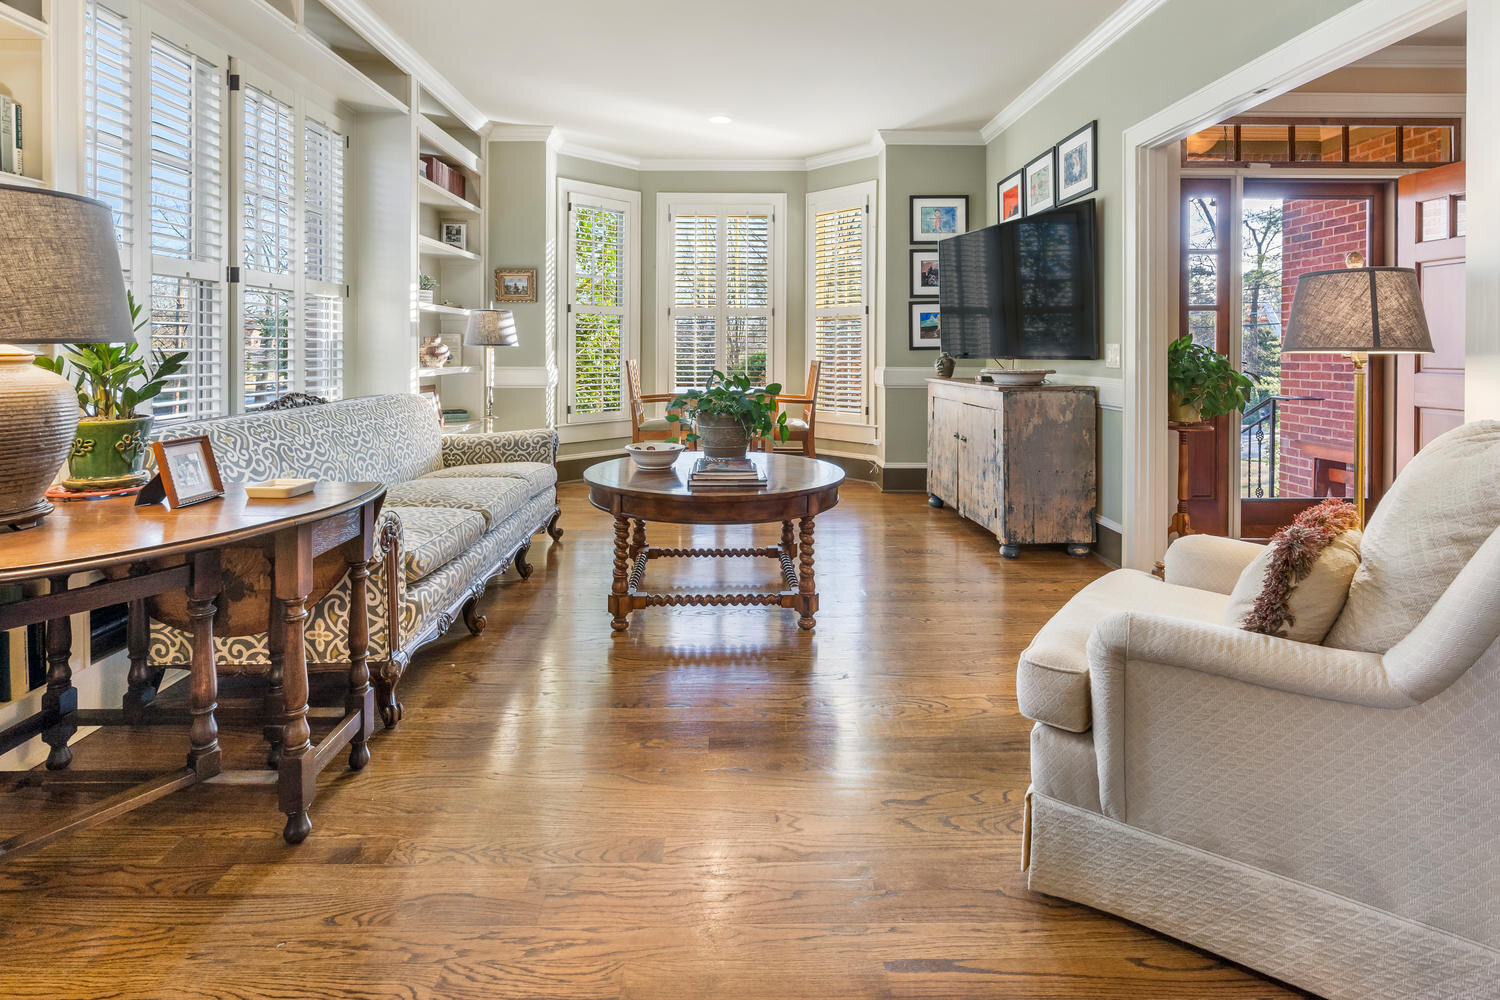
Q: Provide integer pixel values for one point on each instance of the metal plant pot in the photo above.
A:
(721, 436)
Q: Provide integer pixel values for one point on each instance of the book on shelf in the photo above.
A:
(11, 157)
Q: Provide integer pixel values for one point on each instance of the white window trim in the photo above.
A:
(667, 204)
(834, 426)
(596, 427)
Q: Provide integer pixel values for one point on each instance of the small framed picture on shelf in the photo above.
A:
(1077, 164)
(924, 273)
(938, 216)
(456, 234)
(1008, 198)
(1041, 182)
(926, 326)
(188, 471)
(515, 284)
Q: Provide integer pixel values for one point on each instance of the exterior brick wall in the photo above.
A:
(1316, 234)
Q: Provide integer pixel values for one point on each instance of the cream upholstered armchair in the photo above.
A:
(1328, 814)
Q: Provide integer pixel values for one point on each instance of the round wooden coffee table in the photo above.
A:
(797, 490)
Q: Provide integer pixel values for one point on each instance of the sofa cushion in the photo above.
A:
(1052, 682)
(495, 498)
(538, 475)
(1428, 525)
(431, 537)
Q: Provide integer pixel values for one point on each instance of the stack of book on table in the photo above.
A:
(726, 474)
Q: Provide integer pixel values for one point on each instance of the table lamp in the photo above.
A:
(1358, 311)
(490, 328)
(60, 283)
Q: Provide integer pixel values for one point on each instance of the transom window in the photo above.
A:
(1312, 142)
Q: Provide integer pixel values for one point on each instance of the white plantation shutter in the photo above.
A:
(268, 238)
(839, 301)
(184, 92)
(722, 292)
(323, 259)
(268, 344)
(106, 117)
(597, 307)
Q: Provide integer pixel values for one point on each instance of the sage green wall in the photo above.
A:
(519, 197)
(1157, 63)
(916, 170)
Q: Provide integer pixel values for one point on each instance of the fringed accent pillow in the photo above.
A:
(1297, 586)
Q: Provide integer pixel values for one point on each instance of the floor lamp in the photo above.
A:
(1357, 312)
(490, 328)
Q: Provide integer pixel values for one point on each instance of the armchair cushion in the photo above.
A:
(537, 475)
(495, 498)
(656, 424)
(1209, 562)
(1052, 684)
(431, 537)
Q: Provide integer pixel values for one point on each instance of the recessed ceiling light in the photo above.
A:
(720, 120)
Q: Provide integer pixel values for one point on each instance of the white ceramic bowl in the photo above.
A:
(653, 454)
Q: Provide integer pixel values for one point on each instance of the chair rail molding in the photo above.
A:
(1148, 149)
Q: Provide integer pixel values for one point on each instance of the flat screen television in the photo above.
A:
(1022, 289)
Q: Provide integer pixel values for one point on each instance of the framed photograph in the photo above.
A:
(1078, 164)
(924, 273)
(926, 326)
(515, 284)
(1041, 182)
(938, 216)
(455, 234)
(188, 471)
(1008, 198)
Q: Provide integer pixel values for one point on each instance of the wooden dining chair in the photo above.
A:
(802, 429)
(642, 427)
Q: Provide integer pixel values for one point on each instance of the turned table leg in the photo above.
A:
(140, 682)
(360, 698)
(619, 606)
(789, 539)
(637, 539)
(296, 773)
(806, 587)
(275, 699)
(60, 700)
(203, 681)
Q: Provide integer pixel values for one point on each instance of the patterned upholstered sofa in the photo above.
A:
(459, 509)
(1328, 814)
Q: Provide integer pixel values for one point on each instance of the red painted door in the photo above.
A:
(1430, 231)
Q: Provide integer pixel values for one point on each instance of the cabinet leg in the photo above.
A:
(1079, 549)
(933, 500)
(1009, 550)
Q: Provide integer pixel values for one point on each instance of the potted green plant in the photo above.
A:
(1202, 384)
(728, 412)
(110, 446)
(426, 288)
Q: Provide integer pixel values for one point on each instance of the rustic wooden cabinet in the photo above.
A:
(1020, 462)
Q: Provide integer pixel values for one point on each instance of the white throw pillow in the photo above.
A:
(1313, 601)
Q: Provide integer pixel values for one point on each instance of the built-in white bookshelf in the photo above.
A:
(25, 77)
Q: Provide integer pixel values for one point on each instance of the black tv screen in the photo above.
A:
(1022, 289)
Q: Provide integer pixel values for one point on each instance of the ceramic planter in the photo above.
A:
(1183, 413)
(108, 453)
(721, 436)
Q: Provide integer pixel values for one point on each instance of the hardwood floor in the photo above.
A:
(711, 805)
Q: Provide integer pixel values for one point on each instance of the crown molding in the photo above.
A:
(1095, 42)
(1415, 57)
(596, 155)
(934, 137)
(848, 154)
(663, 165)
(569, 147)
(505, 132)
(396, 48)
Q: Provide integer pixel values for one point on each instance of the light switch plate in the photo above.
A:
(1111, 355)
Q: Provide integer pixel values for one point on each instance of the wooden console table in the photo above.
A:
(143, 552)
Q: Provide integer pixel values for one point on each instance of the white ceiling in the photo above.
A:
(799, 77)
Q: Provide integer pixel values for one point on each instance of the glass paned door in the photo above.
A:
(1296, 438)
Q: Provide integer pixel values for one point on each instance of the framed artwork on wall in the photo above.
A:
(1078, 164)
(1008, 198)
(1041, 182)
(925, 326)
(515, 284)
(938, 216)
(924, 273)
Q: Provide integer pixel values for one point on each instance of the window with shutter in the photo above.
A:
(184, 92)
(106, 117)
(596, 317)
(722, 289)
(839, 304)
(323, 257)
(268, 236)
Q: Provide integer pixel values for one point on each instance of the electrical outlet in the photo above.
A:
(1111, 355)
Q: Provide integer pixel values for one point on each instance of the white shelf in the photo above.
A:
(430, 194)
(436, 141)
(447, 370)
(430, 247)
(433, 307)
(21, 180)
(468, 427)
(16, 23)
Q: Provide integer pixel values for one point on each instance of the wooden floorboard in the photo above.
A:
(714, 804)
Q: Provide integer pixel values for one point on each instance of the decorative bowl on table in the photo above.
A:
(653, 454)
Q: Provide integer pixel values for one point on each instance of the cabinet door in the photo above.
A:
(942, 448)
(978, 464)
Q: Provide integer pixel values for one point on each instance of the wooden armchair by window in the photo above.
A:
(802, 429)
(642, 427)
